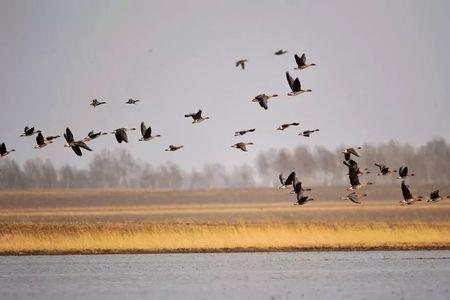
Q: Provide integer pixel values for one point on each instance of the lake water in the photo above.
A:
(294, 275)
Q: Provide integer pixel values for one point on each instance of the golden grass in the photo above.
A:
(32, 238)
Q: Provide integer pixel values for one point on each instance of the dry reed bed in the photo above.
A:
(88, 238)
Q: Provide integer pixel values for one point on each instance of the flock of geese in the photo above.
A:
(354, 172)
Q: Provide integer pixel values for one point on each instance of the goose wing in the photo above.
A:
(434, 194)
(281, 178)
(353, 177)
(406, 192)
(242, 147)
(121, 135)
(263, 104)
(143, 129)
(353, 151)
(77, 150)
(69, 136)
(290, 80)
(300, 60)
(401, 171)
(2, 148)
(297, 86)
(40, 139)
(290, 179)
(83, 145)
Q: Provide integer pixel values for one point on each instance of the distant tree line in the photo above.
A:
(314, 165)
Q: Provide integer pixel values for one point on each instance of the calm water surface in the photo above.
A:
(296, 275)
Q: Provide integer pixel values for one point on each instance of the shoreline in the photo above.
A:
(226, 250)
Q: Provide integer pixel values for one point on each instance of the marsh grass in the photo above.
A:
(86, 238)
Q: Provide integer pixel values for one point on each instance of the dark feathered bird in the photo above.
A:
(287, 125)
(301, 62)
(173, 148)
(242, 132)
(147, 133)
(96, 103)
(241, 63)
(242, 146)
(354, 197)
(280, 52)
(307, 133)
(121, 134)
(4, 151)
(93, 135)
(132, 101)
(403, 173)
(291, 179)
(295, 86)
(384, 170)
(407, 195)
(27, 131)
(262, 99)
(353, 176)
(196, 117)
(75, 145)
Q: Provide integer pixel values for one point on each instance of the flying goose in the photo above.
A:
(147, 133)
(29, 131)
(295, 86)
(75, 145)
(403, 172)
(280, 52)
(242, 146)
(121, 134)
(384, 170)
(93, 135)
(262, 99)
(42, 142)
(173, 148)
(353, 173)
(301, 197)
(354, 197)
(435, 197)
(291, 179)
(301, 62)
(132, 101)
(307, 133)
(241, 63)
(351, 151)
(96, 103)
(197, 117)
(242, 132)
(285, 126)
(3, 151)
(407, 196)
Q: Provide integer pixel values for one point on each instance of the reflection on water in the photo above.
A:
(295, 275)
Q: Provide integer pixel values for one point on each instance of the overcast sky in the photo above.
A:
(383, 72)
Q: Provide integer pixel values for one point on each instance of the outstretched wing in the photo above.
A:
(77, 150)
(281, 178)
(83, 145)
(40, 139)
(297, 86)
(2, 148)
(434, 194)
(143, 129)
(406, 192)
(353, 151)
(299, 60)
(290, 80)
(290, 179)
(263, 104)
(121, 136)
(69, 136)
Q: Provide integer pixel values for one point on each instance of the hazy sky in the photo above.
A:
(383, 71)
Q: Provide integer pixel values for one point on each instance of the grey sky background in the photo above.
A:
(383, 71)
